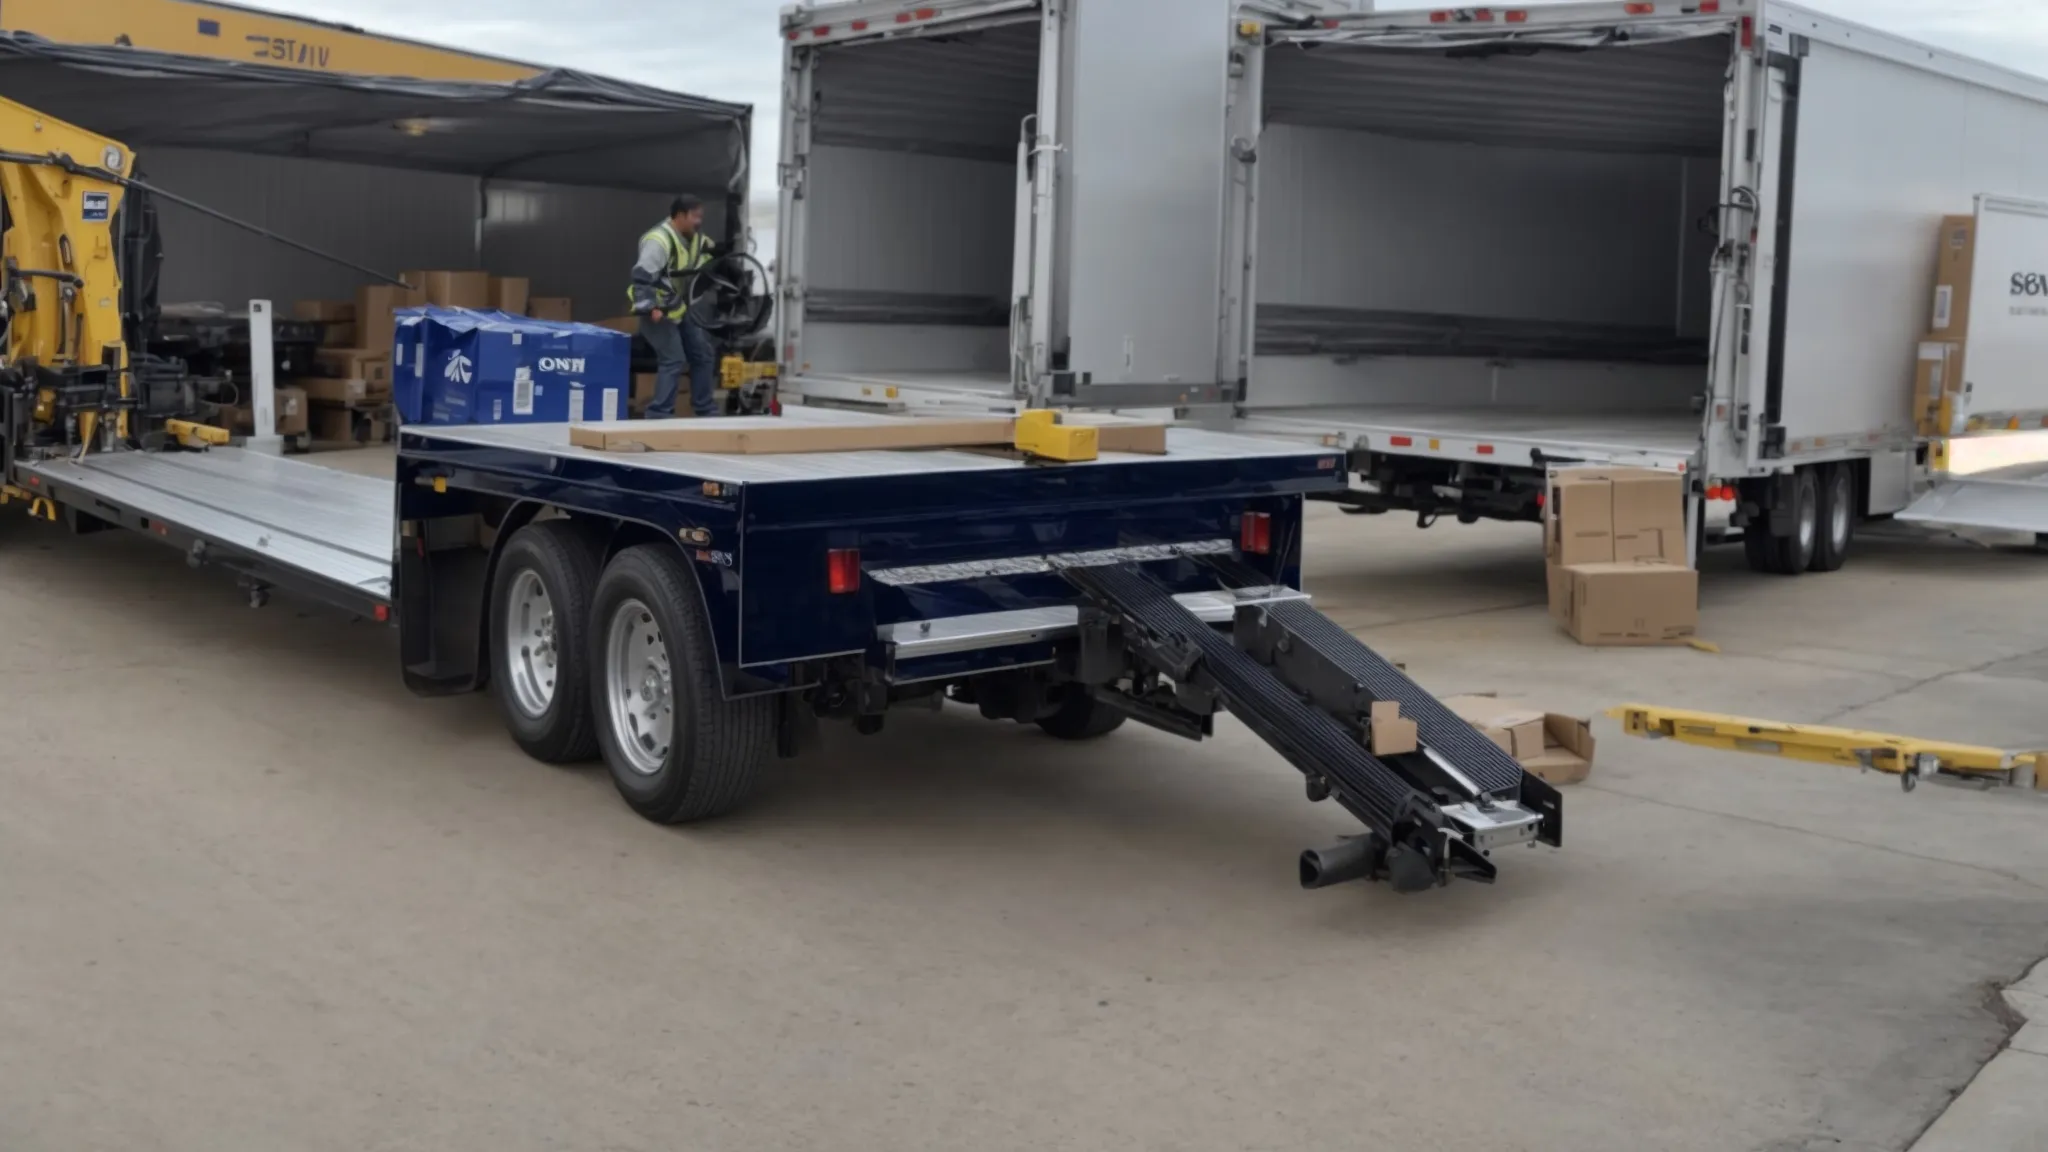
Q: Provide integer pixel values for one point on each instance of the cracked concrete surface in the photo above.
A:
(254, 896)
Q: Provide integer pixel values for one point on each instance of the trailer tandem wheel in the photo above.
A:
(678, 750)
(540, 602)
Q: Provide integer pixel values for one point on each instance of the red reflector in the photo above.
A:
(1401, 441)
(1255, 534)
(1639, 9)
(822, 30)
(903, 17)
(1710, 6)
(1483, 15)
(1748, 33)
(1332, 25)
(1517, 16)
(927, 13)
(860, 25)
(383, 613)
(796, 35)
(1541, 499)
(842, 570)
(1486, 449)
(1439, 17)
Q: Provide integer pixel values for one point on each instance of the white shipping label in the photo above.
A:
(611, 405)
(522, 394)
(419, 358)
(1944, 307)
(497, 411)
(575, 405)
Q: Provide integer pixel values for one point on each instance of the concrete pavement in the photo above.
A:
(255, 896)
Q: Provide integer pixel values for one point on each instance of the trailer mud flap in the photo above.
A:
(1304, 686)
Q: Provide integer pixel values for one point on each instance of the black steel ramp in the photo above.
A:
(1309, 738)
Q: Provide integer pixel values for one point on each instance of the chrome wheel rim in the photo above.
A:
(532, 656)
(639, 687)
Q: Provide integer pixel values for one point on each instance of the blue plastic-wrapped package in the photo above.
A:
(468, 367)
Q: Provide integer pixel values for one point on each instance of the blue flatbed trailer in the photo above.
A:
(689, 616)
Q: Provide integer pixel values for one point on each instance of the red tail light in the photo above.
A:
(1748, 33)
(1255, 534)
(842, 571)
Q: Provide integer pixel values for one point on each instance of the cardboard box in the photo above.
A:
(375, 309)
(630, 325)
(353, 392)
(1649, 515)
(1567, 756)
(643, 392)
(1955, 266)
(1392, 734)
(1553, 748)
(1605, 515)
(292, 410)
(557, 308)
(1580, 516)
(334, 425)
(1633, 604)
(453, 289)
(1940, 373)
(325, 311)
(338, 335)
(509, 294)
(372, 366)
(1517, 728)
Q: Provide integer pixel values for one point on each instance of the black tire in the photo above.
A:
(1838, 516)
(1082, 717)
(1793, 554)
(716, 747)
(563, 556)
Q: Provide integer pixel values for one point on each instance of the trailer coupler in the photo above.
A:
(1306, 687)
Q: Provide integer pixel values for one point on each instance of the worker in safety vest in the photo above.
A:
(669, 252)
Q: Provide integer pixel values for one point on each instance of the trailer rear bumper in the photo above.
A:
(957, 635)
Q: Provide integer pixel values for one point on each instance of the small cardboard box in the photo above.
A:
(292, 410)
(1567, 756)
(1392, 734)
(557, 308)
(1955, 266)
(510, 294)
(338, 335)
(1649, 515)
(1554, 748)
(453, 289)
(1940, 372)
(1634, 604)
(376, 324)
(325, 311)
(337, 392)
(1517, 728)
(1580, 517)
(373, 367)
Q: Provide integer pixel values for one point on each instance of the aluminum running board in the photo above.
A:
(2005, 500)
(1450, 803)
(327, 528)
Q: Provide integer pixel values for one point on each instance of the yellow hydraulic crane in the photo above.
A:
(234, 32)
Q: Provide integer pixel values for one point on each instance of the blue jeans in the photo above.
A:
(678, 345)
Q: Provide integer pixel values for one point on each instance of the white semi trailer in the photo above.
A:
(1466, 245)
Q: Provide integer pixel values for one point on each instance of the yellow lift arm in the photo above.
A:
(1907, 757)
(62, 290)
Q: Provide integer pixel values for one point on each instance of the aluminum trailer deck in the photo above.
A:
(687, 616)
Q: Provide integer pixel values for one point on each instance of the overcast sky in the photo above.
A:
(731, 50)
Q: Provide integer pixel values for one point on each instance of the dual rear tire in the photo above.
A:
(615, 659)
(1821, 507)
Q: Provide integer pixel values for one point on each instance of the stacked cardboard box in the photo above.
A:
(1555, 749)
(557, 308)
(337, 320)
(1939, 389)
(292, 413)
(1615, 543)
(511, 294)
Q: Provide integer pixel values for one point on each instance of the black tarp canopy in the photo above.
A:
(559, 127)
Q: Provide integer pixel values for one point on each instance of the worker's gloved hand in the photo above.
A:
(656, 315)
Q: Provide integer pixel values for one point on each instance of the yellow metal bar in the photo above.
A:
(195, 435)
(1908, 757)
(233, 32)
